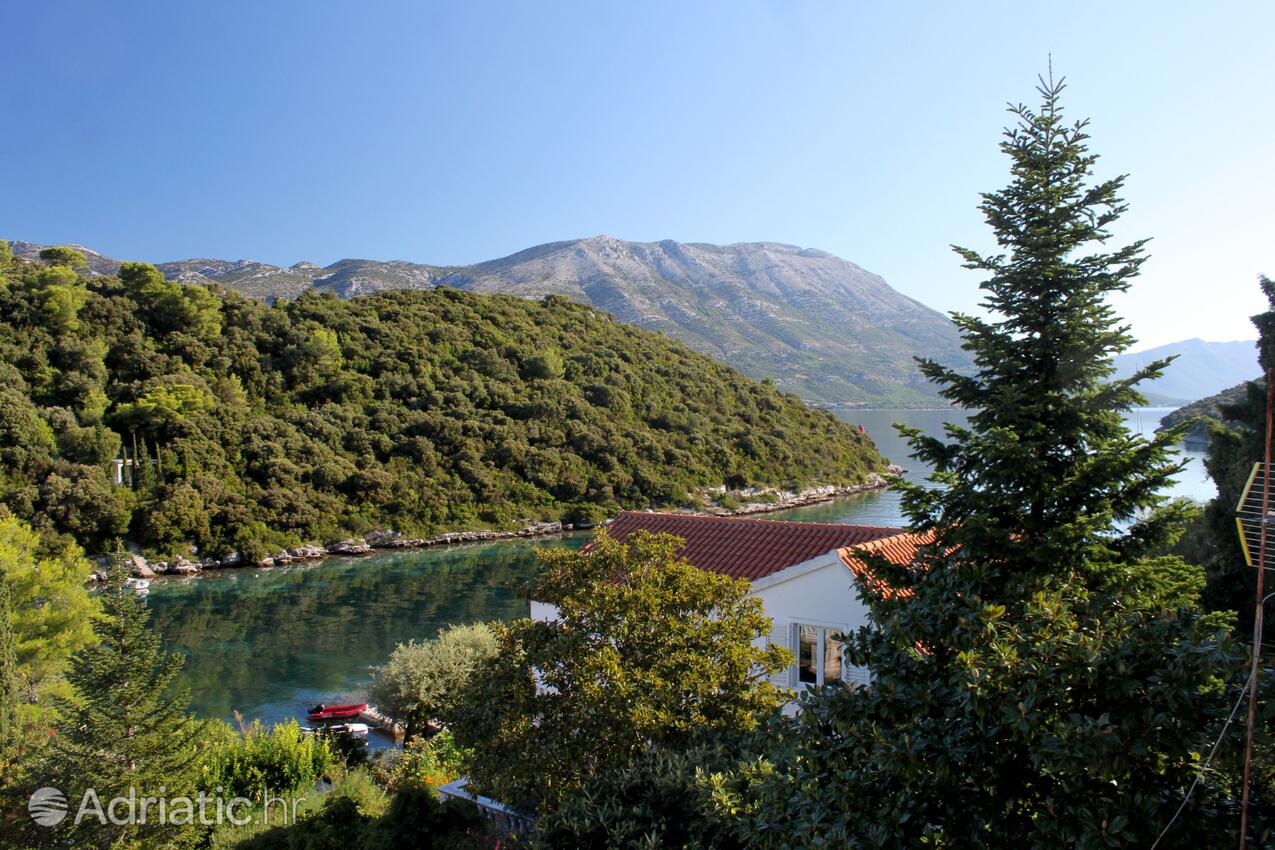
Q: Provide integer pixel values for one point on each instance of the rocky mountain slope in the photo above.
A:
(816, 324)
(1202, 369)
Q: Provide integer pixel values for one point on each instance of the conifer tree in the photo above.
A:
(127, 727)
(1041, 678)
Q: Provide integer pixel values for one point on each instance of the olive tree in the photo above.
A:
(420, 681)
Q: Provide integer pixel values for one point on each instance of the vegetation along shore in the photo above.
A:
(716, 502)
(192, 421)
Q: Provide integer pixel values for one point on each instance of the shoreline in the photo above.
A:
(389, 540)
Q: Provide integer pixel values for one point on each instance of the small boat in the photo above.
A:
(335, 712)
(354, 730)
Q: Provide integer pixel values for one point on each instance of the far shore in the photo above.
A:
(768, 500)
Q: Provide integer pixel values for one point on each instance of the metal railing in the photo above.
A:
(502, 817)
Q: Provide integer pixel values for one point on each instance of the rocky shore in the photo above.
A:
(737, 503)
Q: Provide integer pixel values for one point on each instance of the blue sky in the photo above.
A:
(451, 133)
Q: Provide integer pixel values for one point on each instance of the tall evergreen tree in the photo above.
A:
(126, 728)
(1041, 678)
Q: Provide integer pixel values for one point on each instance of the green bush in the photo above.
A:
(423, 762)
(661, 799)
(256, 761)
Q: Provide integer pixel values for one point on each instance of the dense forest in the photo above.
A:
(249, 426)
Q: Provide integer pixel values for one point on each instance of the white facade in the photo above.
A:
(814, 600)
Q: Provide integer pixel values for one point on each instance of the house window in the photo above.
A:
(818, 655)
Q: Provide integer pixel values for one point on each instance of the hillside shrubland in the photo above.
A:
(254, 425)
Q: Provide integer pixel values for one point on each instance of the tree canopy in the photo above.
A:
(420, 682)
(646, 651)
(245, 425)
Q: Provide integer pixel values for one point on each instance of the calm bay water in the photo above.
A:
(267, 643)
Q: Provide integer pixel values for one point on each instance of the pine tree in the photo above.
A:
(127, 727)
(1042, 678)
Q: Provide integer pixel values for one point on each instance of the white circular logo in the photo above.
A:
(47, 806)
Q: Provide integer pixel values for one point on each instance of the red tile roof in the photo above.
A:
(899, 549)
(748, 548)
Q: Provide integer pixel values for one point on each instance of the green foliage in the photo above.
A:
(1235, 444)
(673, 800)
(428, 762)
(8, 673)
(255, 762)
(416, 818)
(1041, 676)
(6, 252)
(51, 612)
(355, 815)
(61, 255)
(61, 296)
(1200, 417)
(646, 650)
(422, 411)
(124, 727)
(420, 681)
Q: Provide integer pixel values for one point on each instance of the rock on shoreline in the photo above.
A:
(774, 500)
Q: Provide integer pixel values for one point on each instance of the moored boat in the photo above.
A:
(335, 712)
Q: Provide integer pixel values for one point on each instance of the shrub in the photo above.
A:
(423, 762)
(256, 761)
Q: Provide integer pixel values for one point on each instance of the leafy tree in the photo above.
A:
(420, 681)
(6, 252)
(50, 609)
(62, 255)
(1036, 683)
(62, 296)
(661, 799)
(646, 651)
(126, 725)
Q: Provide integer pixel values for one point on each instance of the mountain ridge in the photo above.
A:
(1202, 368)
(818, 325)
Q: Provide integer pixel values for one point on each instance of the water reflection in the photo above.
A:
(267, 643)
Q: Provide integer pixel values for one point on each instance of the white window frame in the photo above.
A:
(821, 647)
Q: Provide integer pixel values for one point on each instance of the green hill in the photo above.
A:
(1201, 412)
(255, 425)
(815, 324)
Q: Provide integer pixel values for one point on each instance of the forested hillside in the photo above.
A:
(812, 322)
(254, 425)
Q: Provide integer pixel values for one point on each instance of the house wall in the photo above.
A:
(819, 592)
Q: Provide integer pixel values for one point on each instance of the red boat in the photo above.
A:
(336, 712)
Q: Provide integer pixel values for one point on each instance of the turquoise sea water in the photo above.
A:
(268, 643)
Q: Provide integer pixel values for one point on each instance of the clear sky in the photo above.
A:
(462, 131)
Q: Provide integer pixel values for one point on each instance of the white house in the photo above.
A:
(804, 573)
